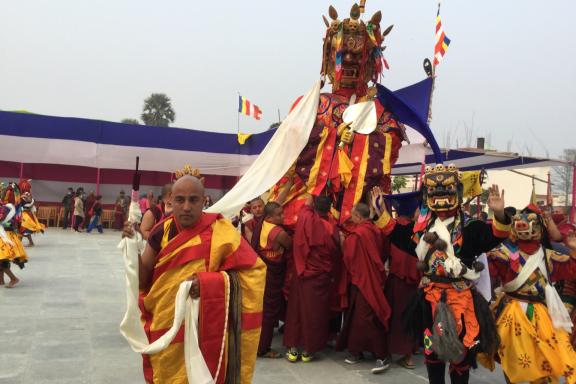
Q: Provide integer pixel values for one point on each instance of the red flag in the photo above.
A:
(257, 113)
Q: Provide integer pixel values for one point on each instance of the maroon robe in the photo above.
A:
(316, 249)
(274, 304)
(401, 285)
(362, 290)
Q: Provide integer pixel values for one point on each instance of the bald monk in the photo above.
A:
(272, 243)
(206, 249)
(316, 252)
(362, 288)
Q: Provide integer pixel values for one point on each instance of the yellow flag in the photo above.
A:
(471, 183)
(242, 137)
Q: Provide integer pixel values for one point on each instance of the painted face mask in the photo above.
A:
(527, 225)
(442, 188)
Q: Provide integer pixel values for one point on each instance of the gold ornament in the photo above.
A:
(188, 170)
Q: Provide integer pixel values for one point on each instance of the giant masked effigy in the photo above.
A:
(340, 143)
(355, 140)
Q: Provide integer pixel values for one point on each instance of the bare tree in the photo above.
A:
(469, 131)
(563, 175)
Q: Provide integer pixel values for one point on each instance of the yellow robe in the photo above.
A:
(30, 222)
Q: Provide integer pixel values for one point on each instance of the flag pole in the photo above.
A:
(431, 72)
(238, 114)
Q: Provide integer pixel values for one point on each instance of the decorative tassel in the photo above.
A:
(445, 341)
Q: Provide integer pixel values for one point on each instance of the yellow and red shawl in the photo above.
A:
(209, 250)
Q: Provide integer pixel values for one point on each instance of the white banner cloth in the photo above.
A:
(276, 158)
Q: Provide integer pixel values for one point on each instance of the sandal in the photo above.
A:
(271, 354)
(403, 363)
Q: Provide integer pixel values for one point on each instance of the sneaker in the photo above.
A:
(381, 366)
(306, 358)
(292, 355)
(353, 359)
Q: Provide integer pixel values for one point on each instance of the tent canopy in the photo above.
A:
(468, 159)
(39, 139)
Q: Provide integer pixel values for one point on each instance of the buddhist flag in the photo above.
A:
(442, 41)
(245, 107)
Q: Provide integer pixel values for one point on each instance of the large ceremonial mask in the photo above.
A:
(442, 188)
(354, 141)
(527, 224)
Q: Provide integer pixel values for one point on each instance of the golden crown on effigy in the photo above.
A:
(352, 53)
(188, 171)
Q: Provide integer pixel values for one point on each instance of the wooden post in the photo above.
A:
(97, 181)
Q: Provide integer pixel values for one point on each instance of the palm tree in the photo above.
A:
(158, 110)
(130, 121)
(399, 182)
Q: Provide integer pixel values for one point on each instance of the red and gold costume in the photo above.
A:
(535, 342)
(11, 248)
(352, 57)
(223, 262)
(30, 223)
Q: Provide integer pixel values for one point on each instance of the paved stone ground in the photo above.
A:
(60, 325)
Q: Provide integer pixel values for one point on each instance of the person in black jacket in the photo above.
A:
(68, 205)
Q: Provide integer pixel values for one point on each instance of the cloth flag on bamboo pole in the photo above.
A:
(533, 199)
(247, 108)
(442, 41)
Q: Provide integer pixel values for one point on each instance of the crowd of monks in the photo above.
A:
(328, 284)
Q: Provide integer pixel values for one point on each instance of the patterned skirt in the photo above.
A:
(531, 348)
(13, 252)
(30, 223)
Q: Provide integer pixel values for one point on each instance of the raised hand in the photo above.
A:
(571, 242)
(128, 230)
(496, 202)
(377, 200)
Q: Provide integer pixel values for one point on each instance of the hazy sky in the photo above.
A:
(509, 74)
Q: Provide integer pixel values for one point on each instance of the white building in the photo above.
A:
(518, 185)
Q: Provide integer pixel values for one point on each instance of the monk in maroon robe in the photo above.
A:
(257, 211)
(362, 288)
(271, 243)
(316, 250)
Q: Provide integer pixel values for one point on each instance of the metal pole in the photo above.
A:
(21, 172)
(573, 207)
